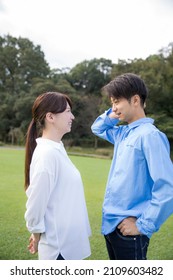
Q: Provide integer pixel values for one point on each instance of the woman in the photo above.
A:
(56, 213)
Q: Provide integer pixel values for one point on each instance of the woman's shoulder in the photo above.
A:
(47, 150)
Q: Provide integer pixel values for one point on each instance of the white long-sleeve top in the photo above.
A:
(56, 205)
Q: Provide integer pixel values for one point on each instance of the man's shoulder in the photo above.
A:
(150, 133)
(147, 128)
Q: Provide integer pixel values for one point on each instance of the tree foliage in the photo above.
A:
(24, 74)
(88, 77)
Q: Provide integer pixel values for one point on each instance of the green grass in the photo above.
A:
(13, 233)
(12, 205)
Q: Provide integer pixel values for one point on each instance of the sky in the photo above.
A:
(71, 31)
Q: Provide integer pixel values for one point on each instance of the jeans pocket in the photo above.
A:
(125, 237)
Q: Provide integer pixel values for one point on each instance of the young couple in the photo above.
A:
(139, 192)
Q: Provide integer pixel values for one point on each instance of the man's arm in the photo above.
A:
(104, 126)
(160, 167)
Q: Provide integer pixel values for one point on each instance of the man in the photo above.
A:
(139, 192)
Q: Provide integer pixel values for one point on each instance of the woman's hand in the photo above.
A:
(33, 243)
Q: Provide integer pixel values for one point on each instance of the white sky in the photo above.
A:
(70, 31)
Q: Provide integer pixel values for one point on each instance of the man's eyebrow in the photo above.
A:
(114, 100)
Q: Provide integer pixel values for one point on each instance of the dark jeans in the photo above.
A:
(131, 247)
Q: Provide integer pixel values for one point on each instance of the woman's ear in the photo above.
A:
(49, 117)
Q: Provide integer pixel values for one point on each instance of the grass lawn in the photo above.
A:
(13, 233)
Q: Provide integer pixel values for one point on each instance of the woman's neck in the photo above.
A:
(51, 135)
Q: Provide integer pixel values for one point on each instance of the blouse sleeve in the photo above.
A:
(43, 171)
(38, 195)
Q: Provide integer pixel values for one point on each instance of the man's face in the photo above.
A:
(123, 109)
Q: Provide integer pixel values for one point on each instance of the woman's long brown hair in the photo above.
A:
(53, 102)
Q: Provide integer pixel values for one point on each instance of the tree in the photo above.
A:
(21, 61)
(24, 74)
(88, 77)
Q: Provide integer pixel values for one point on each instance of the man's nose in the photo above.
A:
(114, 108)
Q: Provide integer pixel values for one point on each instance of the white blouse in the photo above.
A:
(56, 205)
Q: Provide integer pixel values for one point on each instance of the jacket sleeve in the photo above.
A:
(156, 149)
(105, 127)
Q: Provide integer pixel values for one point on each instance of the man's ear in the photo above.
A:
(136, 99)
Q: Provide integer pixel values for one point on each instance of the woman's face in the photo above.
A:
(63, 121)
